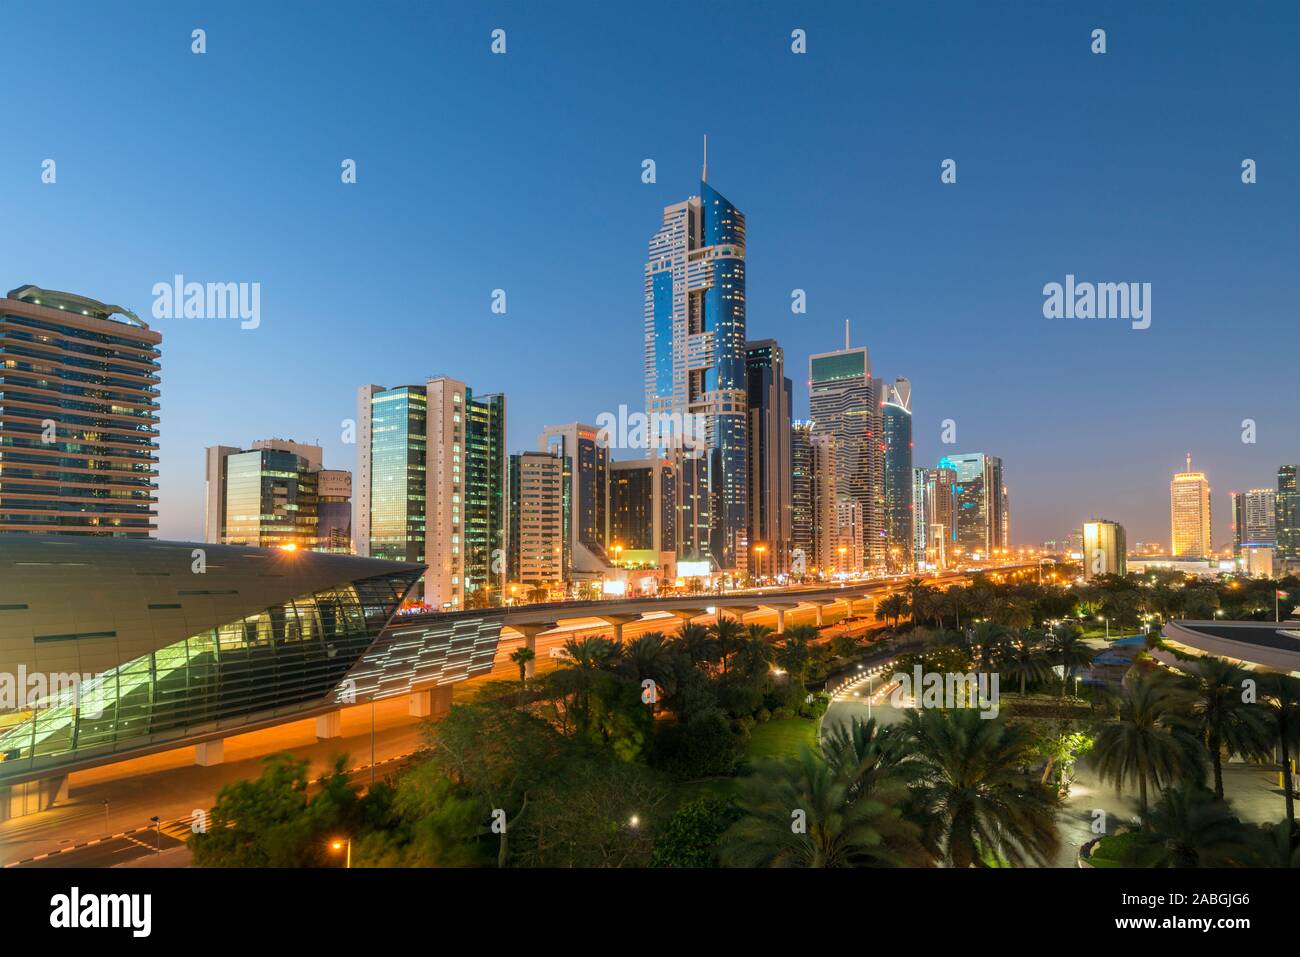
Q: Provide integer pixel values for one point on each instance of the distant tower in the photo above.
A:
(1189, 512)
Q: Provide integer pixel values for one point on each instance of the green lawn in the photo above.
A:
(780, 738)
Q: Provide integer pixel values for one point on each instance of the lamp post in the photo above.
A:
(339, 844)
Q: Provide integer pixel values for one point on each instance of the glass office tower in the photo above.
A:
(896, 429)
(695, 349)
(397, 464)
(1287, 512)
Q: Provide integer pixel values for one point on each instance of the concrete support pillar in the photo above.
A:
(617, 622)
(780, 621)
(31, 797)
(329, 726)
(430, 702)
(819, 615)
(210, 753)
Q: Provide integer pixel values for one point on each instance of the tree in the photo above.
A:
(521, 656)
(866, 754)
(1191, 827)
(1067, 649)
(698, 643)
(1280, 695)
(1148, 744)
(891, 607)
(726, 632)
(975, 800)
(1221, 716)
(691, 836)
(797, 813)
(1024, 657)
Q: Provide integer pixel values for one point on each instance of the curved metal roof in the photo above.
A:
(73, 603)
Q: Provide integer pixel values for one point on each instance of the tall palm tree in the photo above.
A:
(521, 656)
(1148, 744)
(986, 643)
(1190, 827)
(794, 653)
(891, 606)
(726, 632)
(798, 813)
(1223, 719)
(1280, 695)
(974, 797)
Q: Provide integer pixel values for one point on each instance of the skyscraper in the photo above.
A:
(1254, 518)
(1104, 549)
(1189, 514)
(537, 518)
(978, 501)
(588, 492)
(643, 514)
(78, 416)
(695, 349)
(896, 429)
(432, 483)
(801, 497)
(825, 500)
(1287, 512)
(845, 404)
(769, 494)
(932, 491)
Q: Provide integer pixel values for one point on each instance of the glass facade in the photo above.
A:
(271, 500)
(397, 456)
(484, 489)
(896, 427)
(1287, 513)
(284, 659)
(78, 418)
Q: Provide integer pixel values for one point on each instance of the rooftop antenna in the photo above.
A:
(846, 335)
(704, 175)
(1189, 461)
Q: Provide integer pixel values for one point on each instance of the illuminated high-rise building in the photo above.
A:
(695, 360)
(537, 518)
(896, 432)
(431, 485)
(1254, 518)
(845, 403)
(979, 497)
(79, 398)
(935, 531)
(1189, 514)
(801, 496)
(769, 494)
(588, 496)
(1287, 513)
(1104, 549)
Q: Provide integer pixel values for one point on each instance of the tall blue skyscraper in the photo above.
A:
(695, 349)
(896, 429)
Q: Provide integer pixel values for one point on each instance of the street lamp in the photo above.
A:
(338, 844)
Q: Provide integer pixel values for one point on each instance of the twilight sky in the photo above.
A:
(523, 172)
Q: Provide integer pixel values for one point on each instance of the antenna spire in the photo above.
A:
(846, 335)
(704, 175)
(1189, 461)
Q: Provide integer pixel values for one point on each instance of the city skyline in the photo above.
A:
(359, 287)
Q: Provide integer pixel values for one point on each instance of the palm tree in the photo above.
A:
(538, 593)
(522, 656)
(1190, 827)
(986, 642)
(794, 653)
(891, 606)
(1280, 695)
(1025, 657)
(1276, 845)
(649, 656)
(698, 643)
(726, 632)
(866, 754)
(1147, 743)
(1222, 718)
(1068, 649)
(798, 813)
(974, 795)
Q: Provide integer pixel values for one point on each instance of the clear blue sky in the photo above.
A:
(523, 172)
